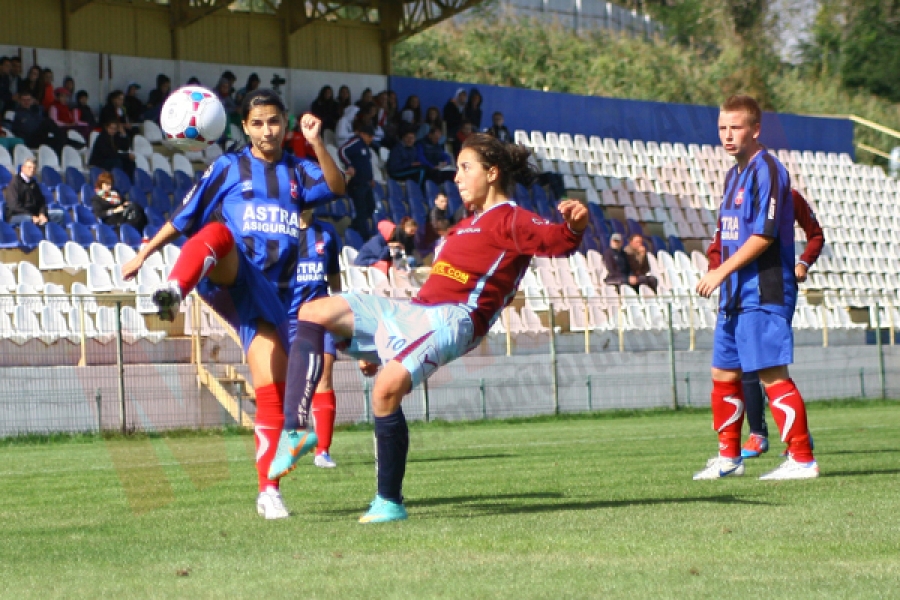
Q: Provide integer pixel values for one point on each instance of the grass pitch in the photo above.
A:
(572, 508)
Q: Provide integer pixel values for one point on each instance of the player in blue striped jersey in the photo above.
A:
(242, 220)
(318, 272)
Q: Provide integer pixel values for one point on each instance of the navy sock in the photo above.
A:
(303, 373)
(755, 405)
(392, 444)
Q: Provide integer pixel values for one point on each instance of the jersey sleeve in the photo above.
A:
(203, 199)
(314, 190)
(768, 201)
(529, 233)
(806, 218)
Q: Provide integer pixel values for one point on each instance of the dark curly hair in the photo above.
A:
(511, 160)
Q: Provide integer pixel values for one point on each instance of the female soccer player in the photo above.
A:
(481, 264)
(242, 220)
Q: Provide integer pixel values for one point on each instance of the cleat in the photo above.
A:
(167, 299)
(791, 469)
(270, 505)
(384, 511)
(292, 445)
(756, 444)
(324, 461)
(719, 467)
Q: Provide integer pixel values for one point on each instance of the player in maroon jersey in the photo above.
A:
(481, 264)
(758, 442)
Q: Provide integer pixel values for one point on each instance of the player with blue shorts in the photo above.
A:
(758, 292)
(242, 220)
(481, 264)
(318, 272)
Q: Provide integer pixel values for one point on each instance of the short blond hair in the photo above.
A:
(742, 103)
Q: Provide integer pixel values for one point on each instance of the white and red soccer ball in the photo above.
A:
(193, 118)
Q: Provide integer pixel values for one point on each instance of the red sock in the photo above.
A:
(269, 421)
(728, 416)
(199, 255)
(789, 413)
(323, 410)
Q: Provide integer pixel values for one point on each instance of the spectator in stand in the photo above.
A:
(367, 114)
(412, 112)
(16, 80)
(431, 154)
(461, 136)
(24, 199)
(454, 113)
(33, 84)
(109, 207)
(30, 124)
(62, 115)
(432, 119)
(69, 84)
(498, 129)
(326, 108)
(344, 99)
(405, 235)
(223, 93)
(114, 112)
(439, 212)
(365, 98)
(48, 94)
(638, 263)
(6, 84)
(403, 163)
(83, 112)
(344, 129)
(231, 78)
(134, 108)
(252, 84)
(157, 97)
(472, 112)
(111, 150)
(616, 262)
(438, 219)
(356, 155)
(379, 251)
(389, 119)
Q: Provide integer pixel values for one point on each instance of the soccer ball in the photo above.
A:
(193, 118)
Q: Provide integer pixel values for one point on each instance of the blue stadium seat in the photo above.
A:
(50, 177)
(8, 237)
(322, 211)
(150, 231)
(378, 192)
(523, 198)
(180, 193)
(160, 201)
(130, 236)
(398, 209)
(154, 218)
(634, 227)
(413, 192)
(163, 181)
(138, 196)
(353, 239)
(121, 181)
(49, 193)
(106, 235)
(183, 180)
(66, 196)
(5, 176)
(74, 178)
(30, 235)
(615, 226)
(454, 200)
(85, 216)
(143, 181)
(341, 208)
(55, 234)
(394, 191)
(431, 190)
(675, 244)
(80, 234)
(94, 173)
(87, 194)
(2, 209)
(658, 243)
(56, 207)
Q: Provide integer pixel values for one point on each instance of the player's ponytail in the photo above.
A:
(511, 160)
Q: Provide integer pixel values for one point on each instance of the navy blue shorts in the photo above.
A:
(752, 340)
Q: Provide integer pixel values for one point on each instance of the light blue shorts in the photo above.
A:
(422, 338)
(752, 340)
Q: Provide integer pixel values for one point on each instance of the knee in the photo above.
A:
(316, 311)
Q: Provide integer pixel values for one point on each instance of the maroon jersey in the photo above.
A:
(805, 218)
(485, 257)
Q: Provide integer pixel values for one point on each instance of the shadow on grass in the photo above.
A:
(506, 504)
(456, 458)
(861, 472)
(836, 452)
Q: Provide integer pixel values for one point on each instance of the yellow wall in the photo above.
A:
(142, 29)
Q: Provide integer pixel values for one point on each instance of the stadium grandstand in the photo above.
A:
(66, 314)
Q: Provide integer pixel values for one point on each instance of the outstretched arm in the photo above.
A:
(311, 126)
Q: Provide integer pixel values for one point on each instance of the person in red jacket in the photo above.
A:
(758, 442)
(481, 264)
